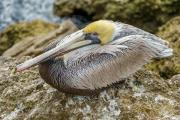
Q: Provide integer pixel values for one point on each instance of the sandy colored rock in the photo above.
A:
(20, 31)
(170, 66)
(33, 46)
(25, 96)
(146, 14)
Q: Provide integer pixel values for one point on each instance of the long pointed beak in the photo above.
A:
(60, 47)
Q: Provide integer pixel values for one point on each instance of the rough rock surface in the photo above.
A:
(23, 30)
(25, 96)
(171, 66)
(146, 14)
(35, 45)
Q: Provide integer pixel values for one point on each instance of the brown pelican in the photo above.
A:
(97, 56)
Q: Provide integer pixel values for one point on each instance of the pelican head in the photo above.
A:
(98, 32)
(103, 28)
(97, 56)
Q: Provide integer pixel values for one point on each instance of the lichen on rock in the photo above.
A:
(170, 66)
(19, 31)
(146, 14)
(142, 96)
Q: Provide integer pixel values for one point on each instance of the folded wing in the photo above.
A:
(101, 66)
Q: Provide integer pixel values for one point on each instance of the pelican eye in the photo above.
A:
(93, 37)
(94, 33)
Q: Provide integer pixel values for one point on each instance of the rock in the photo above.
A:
(25, 96)
(20, 31)
(146, 14)
(32, 46)
(170, 66)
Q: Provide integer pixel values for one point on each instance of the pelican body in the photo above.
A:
(99, 55)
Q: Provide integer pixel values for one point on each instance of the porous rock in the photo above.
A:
(25, 96)
(170, 66)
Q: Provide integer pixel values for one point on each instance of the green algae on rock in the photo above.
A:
(146, 14)
(170, 66)
(142, 96)
(17, 32)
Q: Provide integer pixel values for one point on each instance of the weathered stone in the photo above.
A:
(20, 31)
(25, 96)
(170, 66)
(33, 46)
(146, 14)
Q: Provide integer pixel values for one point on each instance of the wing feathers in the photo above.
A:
(114, 61)
(99, 66)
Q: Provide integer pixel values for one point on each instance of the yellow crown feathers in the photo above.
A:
(103, 28)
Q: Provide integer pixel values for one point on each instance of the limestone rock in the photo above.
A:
(25, 96)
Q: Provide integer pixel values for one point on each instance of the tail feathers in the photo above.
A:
(166, 53)
(161, 50)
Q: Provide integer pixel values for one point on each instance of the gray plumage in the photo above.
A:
(93, 67)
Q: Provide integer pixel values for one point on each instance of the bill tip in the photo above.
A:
(19, 68)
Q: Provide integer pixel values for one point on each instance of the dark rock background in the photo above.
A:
(146, 14)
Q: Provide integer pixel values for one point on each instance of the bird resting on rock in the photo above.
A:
(95, 57)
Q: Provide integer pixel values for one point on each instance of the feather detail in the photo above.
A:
(100, 66)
